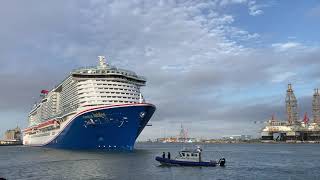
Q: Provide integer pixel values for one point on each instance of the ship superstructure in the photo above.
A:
(102, 105)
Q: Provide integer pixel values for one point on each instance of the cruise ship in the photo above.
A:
(98, 107)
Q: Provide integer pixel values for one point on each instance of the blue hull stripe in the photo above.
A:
(107, 127)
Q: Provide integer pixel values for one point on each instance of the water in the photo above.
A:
(244, 161)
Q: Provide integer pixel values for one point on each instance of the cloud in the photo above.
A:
(254, 8)
(230, 2)
(282, 77)
(199, 70)
(314, 11)
(286, 46)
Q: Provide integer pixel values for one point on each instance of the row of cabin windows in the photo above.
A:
(111, 97)
(132, 94)
(112, 92)
(118, 72)
(99, 84)
(119, 89)
(123, 82)
(82, 97)
(103, 72)
(126, 81)
(102, 80)
(119, 97)
(120, 101)
(120, 85)
(122, 89)
(117, 85)
(115, 101)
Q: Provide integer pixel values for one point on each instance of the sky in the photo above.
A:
(214, 66)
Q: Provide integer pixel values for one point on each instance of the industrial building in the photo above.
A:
(237, 138)
(294, 130)
(181, 138)
(12, 137)
(13, 134)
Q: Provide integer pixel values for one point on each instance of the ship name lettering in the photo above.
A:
(95, 115)
(87, 117)
(99, 115)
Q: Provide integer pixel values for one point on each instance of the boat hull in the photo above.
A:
(109, 128)
(172, 162)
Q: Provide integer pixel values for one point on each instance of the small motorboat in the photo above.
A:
(189, 158)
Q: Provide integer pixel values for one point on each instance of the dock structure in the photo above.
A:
(294, 130)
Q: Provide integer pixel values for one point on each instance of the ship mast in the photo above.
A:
(291, 106)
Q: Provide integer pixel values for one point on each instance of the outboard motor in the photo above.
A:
(222, 161)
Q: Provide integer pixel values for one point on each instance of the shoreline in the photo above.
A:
(236, 142)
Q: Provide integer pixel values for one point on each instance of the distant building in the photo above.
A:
(168, 139)
(182, 137)
(237, 137)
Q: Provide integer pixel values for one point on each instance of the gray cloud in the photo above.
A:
(189, 52)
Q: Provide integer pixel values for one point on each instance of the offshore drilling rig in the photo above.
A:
(294, 130)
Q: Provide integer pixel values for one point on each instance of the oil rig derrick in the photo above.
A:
(291, 106)
(183, 135)
(316, 106)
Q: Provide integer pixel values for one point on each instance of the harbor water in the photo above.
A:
(243, 161)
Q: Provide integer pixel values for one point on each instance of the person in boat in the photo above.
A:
(169, 155)
(163, 155)
(199, 150)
